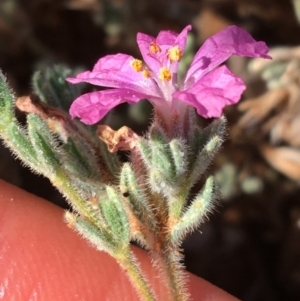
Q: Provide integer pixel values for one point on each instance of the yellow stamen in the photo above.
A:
(174, 54)
(154, 47)
(146, 73)
(165, 74)
(137, 65)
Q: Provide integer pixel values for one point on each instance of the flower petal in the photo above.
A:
(115, 71)
(165, 40)
(213, 92)
(219, 47)
(182, 37)
(92, 107)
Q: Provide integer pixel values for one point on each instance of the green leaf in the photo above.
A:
(99, 237)
(115, 216)
(20, 144)
(134, 193)
(6, 105)
(197, 211)
(44, 144)
(179, 157)
(110, 160)
(198, 137)
(145, 152)
(51, 86)
(207, 153)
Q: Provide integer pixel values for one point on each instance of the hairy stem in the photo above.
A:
(168, 262)
(128, 262)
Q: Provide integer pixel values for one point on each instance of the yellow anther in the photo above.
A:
(146, 73)
(174, 54)
(137, 65)
(154, 47)
(165, 74)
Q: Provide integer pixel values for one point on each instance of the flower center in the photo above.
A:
(165, 59)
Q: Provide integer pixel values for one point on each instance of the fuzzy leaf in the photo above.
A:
(52, 88)
(179, 156)
(44, 144)
(20, 143)
(196, 212)
(162, 161)
(206, 155)
(110, 160)
(100, 238)
(145, 152)
(198, 137)
(6, 104)
(134, 193)
(75, 161)
(116, 216)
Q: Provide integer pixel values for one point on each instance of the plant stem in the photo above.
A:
(128, 262)
(168, 261)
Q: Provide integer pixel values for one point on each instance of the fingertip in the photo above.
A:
(42, 259)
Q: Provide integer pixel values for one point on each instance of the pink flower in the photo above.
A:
(206, 86)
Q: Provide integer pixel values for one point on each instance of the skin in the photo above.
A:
(42, 259)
